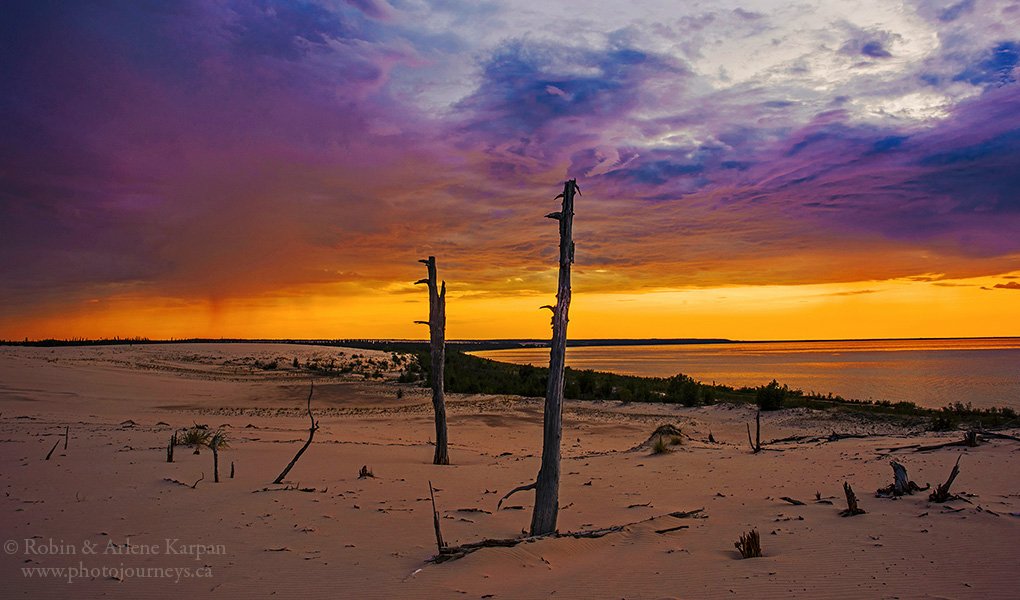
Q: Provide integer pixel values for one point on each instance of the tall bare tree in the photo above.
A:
(437, 350)
(547, 484)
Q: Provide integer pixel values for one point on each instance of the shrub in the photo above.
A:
(683, 389)
(660, 447)
(771, 396)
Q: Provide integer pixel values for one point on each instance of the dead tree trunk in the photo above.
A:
(941, 493)
(756, 444)
(851, 502)
(170, 448)
(547, 485)
(67, 431)
(311, 434)
(437, 351)
(216, 464)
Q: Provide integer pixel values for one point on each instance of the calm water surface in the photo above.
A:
(985, 372)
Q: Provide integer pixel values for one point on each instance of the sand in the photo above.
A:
(104, 510)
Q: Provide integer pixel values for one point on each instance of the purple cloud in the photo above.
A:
(251, 146)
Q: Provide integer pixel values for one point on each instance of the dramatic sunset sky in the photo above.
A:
(758, 169)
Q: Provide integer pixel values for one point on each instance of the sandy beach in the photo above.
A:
(109, 517)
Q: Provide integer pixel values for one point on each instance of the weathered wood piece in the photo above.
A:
(50, 453)
(756, 444)
(970, 440)
(792, 501)
(901, 484)
(440, 544)
(941, 492)
(437, 353)
(311, 434)
(67, 431)
(851, 502)
(455, 552)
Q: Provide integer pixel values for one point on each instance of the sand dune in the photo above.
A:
(328, 533)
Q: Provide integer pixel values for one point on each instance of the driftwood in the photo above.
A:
(851, 502)
(901, 484)
(970, 440)
(792, 501)
(547, 484)
(67, 431)
(455, 552)
(756, 444)
(520, 488)
(749, 544)
(311, 434)
(192, 486)
(437, 353)
(440, 544)
(941, 492)
(999, 436)
(50, 453)
(292, 488)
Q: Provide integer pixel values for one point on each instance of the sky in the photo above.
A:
(748, 169)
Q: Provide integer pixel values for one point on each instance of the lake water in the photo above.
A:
(933, 373)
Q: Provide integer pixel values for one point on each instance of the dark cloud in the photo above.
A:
(1011, 285)
(995, 67)
(955, 11)
(526, 86)
(874, 49)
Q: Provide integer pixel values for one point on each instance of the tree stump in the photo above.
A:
(942, 493)
(851, 502)
(901, 485)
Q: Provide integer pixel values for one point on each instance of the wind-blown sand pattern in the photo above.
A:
(328, 533)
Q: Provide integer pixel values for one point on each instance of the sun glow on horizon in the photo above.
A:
(924, 306)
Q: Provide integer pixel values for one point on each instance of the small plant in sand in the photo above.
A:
(217, 441)
(196, 437)
(660, 446)
(749, 544)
